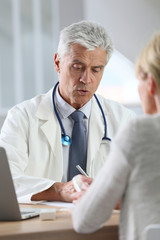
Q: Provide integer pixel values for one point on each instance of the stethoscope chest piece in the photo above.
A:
(66, 140)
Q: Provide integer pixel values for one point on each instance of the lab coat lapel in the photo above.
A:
(53, 134)
(95, 133)
(50, 127)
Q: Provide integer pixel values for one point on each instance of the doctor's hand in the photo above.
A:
(64, 191)
(85, 183)
(57, 192)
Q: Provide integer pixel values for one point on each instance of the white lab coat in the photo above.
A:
(31, 135)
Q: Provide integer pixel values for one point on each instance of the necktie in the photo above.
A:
(78, 148)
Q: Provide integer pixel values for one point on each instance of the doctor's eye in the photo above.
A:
(96, 69)
(77, 67)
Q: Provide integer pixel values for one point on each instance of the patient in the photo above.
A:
(132, 172)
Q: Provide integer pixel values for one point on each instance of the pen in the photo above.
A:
(81, 171)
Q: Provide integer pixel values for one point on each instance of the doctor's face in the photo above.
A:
(80, 73)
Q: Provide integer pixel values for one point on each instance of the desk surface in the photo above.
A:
(61, 228)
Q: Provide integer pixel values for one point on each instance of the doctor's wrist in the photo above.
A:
(57, 192)
(50, 194)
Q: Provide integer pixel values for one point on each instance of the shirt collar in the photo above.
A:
(65, 109)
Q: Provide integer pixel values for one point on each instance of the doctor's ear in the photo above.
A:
(57, 62)
(152, 87)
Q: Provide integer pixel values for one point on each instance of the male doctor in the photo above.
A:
(32, 131)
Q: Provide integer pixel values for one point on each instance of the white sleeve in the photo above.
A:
(26, 186)
(96, 206)
(14, 137)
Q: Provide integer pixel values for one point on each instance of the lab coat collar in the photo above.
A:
(45, 108)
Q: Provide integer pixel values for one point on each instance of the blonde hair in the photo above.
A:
(149, 60)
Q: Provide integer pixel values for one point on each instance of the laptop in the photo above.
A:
(9, 207)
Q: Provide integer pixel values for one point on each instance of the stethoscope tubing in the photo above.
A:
(55, 110)
(66, 140)
(104, 119)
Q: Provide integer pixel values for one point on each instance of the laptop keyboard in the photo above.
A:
(29, 210)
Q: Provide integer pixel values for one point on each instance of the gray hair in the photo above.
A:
(86, 33)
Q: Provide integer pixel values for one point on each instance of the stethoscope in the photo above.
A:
(66, 140)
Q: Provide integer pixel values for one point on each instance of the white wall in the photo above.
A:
(2, 118)
(70, 11)
(129, 22)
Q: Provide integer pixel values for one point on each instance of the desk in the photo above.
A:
(59, 229)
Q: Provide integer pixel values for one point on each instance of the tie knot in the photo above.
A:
(77, 116)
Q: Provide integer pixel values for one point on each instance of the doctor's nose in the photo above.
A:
(85, 77)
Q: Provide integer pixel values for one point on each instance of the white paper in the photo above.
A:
(59, 204)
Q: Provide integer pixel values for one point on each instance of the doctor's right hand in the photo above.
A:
(83, 183)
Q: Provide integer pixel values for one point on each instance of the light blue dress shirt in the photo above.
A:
(65, 110)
